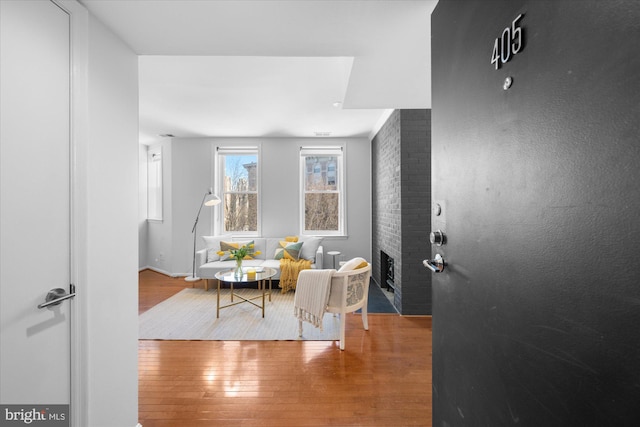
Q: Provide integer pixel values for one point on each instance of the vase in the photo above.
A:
(237, 273)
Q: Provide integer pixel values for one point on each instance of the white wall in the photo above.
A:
(142, 207)
(159, 244)
(358, 171)
(192, 172)
(191, 178)
(111, 292)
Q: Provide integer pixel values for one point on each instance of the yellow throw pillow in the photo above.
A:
(354, 264)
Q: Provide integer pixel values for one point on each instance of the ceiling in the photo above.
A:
(273, 68)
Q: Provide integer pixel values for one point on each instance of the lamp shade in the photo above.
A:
(211, 200)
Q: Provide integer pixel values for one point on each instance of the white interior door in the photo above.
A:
(35, 203)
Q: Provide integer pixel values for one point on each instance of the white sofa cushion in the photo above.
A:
(271, 263)
(310, 247)
(271, 245)
(212, 244)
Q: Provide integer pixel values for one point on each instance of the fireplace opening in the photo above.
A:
(387, 271)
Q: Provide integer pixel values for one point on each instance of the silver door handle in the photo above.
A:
(56, 296)
(436, 264)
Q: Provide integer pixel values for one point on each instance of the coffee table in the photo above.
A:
(262, 275)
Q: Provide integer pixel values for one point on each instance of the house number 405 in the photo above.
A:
(508, 44)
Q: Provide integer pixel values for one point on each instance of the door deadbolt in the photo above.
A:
(437, 238)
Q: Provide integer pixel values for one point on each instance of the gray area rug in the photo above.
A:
(191, 315)
(378, 301)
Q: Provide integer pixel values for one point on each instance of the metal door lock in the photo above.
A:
(436, 264)
(437, 238)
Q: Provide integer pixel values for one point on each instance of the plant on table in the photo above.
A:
(243, 252)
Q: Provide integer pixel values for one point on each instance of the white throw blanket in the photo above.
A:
(312, 296)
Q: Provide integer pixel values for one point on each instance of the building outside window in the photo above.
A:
(238, 184)
(322, 199)
(154, 183)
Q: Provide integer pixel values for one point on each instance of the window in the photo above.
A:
(322, 200)
(154, 183)
(238, 184)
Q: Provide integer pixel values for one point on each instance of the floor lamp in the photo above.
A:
(209, 199)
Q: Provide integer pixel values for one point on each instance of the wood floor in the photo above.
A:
(383, 378)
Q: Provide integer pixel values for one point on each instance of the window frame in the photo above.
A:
(325, 151)
(220, 154)
(155, 213)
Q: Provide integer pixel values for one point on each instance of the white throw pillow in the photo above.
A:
(310, 247)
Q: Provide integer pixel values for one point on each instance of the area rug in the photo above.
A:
(378, 301)
(191, 315)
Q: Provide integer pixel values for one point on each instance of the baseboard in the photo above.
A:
(159, 270)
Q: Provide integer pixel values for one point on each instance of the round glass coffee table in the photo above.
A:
(263, 274)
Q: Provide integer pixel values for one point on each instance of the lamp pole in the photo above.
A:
(212, 201)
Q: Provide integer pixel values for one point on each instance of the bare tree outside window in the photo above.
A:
(321, 211)
(240, 192)
(322, 199)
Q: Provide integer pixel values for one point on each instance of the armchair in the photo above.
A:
(348, 290)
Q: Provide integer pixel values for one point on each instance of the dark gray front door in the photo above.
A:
(536, 318)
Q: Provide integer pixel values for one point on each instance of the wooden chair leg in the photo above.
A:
(365, 319)
(343, 322)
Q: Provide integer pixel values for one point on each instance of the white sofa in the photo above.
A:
(208, 262)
